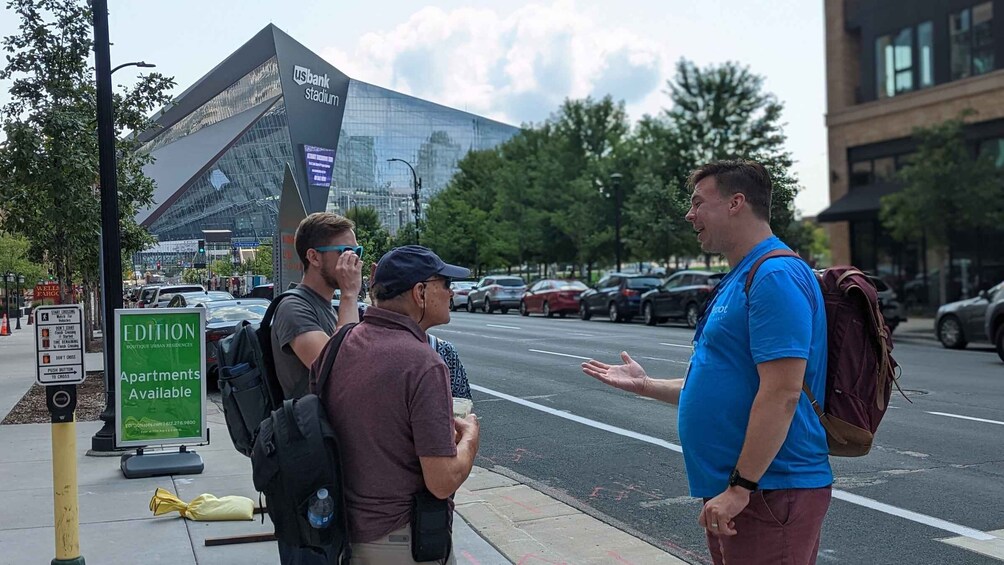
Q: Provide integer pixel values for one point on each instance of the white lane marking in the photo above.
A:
(677, 345)
(840, 494)
(580, 419)
(967, 418)
(582, 334)
(559, 354)
(913, 516)
(666, 360)
(503, 327)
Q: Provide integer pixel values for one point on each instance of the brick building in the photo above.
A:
(893, 66)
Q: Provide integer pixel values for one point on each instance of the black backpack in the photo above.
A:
(295, 453)
(248, 383)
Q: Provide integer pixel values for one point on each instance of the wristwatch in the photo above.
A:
(736, 480)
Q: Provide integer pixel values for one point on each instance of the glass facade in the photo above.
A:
(381, 124)
(240, 190)
(254, 88)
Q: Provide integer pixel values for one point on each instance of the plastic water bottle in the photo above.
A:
(321, 509)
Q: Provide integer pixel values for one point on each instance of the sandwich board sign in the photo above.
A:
(59, 345)
(160, 376)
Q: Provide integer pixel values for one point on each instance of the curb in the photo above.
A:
(526, 525)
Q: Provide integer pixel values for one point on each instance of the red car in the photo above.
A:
(552, 296)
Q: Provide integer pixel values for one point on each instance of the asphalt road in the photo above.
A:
(936, 472)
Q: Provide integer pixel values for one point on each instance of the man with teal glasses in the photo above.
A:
(303, 322)
(304, 319)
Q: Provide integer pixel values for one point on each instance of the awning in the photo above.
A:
(862, 203)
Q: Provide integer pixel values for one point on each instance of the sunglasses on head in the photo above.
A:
(357, 249)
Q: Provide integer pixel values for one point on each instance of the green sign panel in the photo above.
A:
(160, 368)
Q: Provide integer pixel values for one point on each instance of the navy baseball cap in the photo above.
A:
(404, 267)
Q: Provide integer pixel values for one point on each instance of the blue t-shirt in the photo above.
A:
(783, 318)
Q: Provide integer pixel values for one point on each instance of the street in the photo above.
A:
(936, 473)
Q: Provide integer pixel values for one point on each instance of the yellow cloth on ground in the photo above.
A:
(204, 507)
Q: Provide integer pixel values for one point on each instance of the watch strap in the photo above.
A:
(735, 479)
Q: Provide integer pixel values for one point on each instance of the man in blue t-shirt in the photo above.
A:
(754, 449)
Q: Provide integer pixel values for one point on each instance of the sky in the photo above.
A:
(513, 61)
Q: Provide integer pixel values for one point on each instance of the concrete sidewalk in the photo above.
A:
(500, 520)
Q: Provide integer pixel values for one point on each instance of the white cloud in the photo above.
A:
(514, 67)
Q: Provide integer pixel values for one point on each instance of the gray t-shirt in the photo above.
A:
(295, 316)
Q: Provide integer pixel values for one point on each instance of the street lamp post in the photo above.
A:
(416, 184)
(618, 203)
(111, 258)
(18, 298)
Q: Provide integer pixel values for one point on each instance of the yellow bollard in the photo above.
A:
(64, 490)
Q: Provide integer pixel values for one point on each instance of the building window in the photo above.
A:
(861, 173)
(972, 40)
(925, 54)
(894, 64)
(993, 149)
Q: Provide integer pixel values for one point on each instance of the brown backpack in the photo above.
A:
(860, 370)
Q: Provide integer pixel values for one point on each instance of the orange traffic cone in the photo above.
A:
(4, 328)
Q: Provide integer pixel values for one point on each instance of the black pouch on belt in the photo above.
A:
(431, 538)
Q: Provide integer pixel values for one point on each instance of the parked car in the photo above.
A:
(460, 291)
(160, 296)
(185, 299)
(682, 297)
(962, 322)
(994, 318)
(496, 292)
(222, 317)
(552, 296)
(266, 291)
(892, 309)
(618, 295)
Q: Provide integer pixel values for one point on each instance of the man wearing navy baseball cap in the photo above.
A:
(389, 401)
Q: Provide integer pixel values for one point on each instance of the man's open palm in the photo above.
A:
(629, 376)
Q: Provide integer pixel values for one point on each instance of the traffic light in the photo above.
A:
(202, 246)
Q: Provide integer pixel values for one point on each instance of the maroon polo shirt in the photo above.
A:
(388, 399)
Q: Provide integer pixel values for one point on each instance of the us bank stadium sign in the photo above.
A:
(317, 86)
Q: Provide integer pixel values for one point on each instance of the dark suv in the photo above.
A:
(617, 295)
(682, 297)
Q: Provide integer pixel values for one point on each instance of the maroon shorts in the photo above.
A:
(778, 527)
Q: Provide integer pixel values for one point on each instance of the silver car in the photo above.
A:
(496, 292)
(962, 322)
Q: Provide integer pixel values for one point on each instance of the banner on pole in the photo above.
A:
(160, 376)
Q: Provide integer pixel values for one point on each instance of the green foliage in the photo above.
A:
(722, 112)
(945, 189)
(222, 268)
(194, 276)
(14, 258)
(49, 164)
(371, 234)
(548, 195)
(262, 262)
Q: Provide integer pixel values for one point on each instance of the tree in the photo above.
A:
(945, 190)
(49, 164)
(14, 258)
(722, 112)
(261, 264)
(221, 268)
(371, 234)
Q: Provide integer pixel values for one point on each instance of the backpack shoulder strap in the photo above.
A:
(766, 256)
(329, 355)
(749, 282)
(266, 320)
